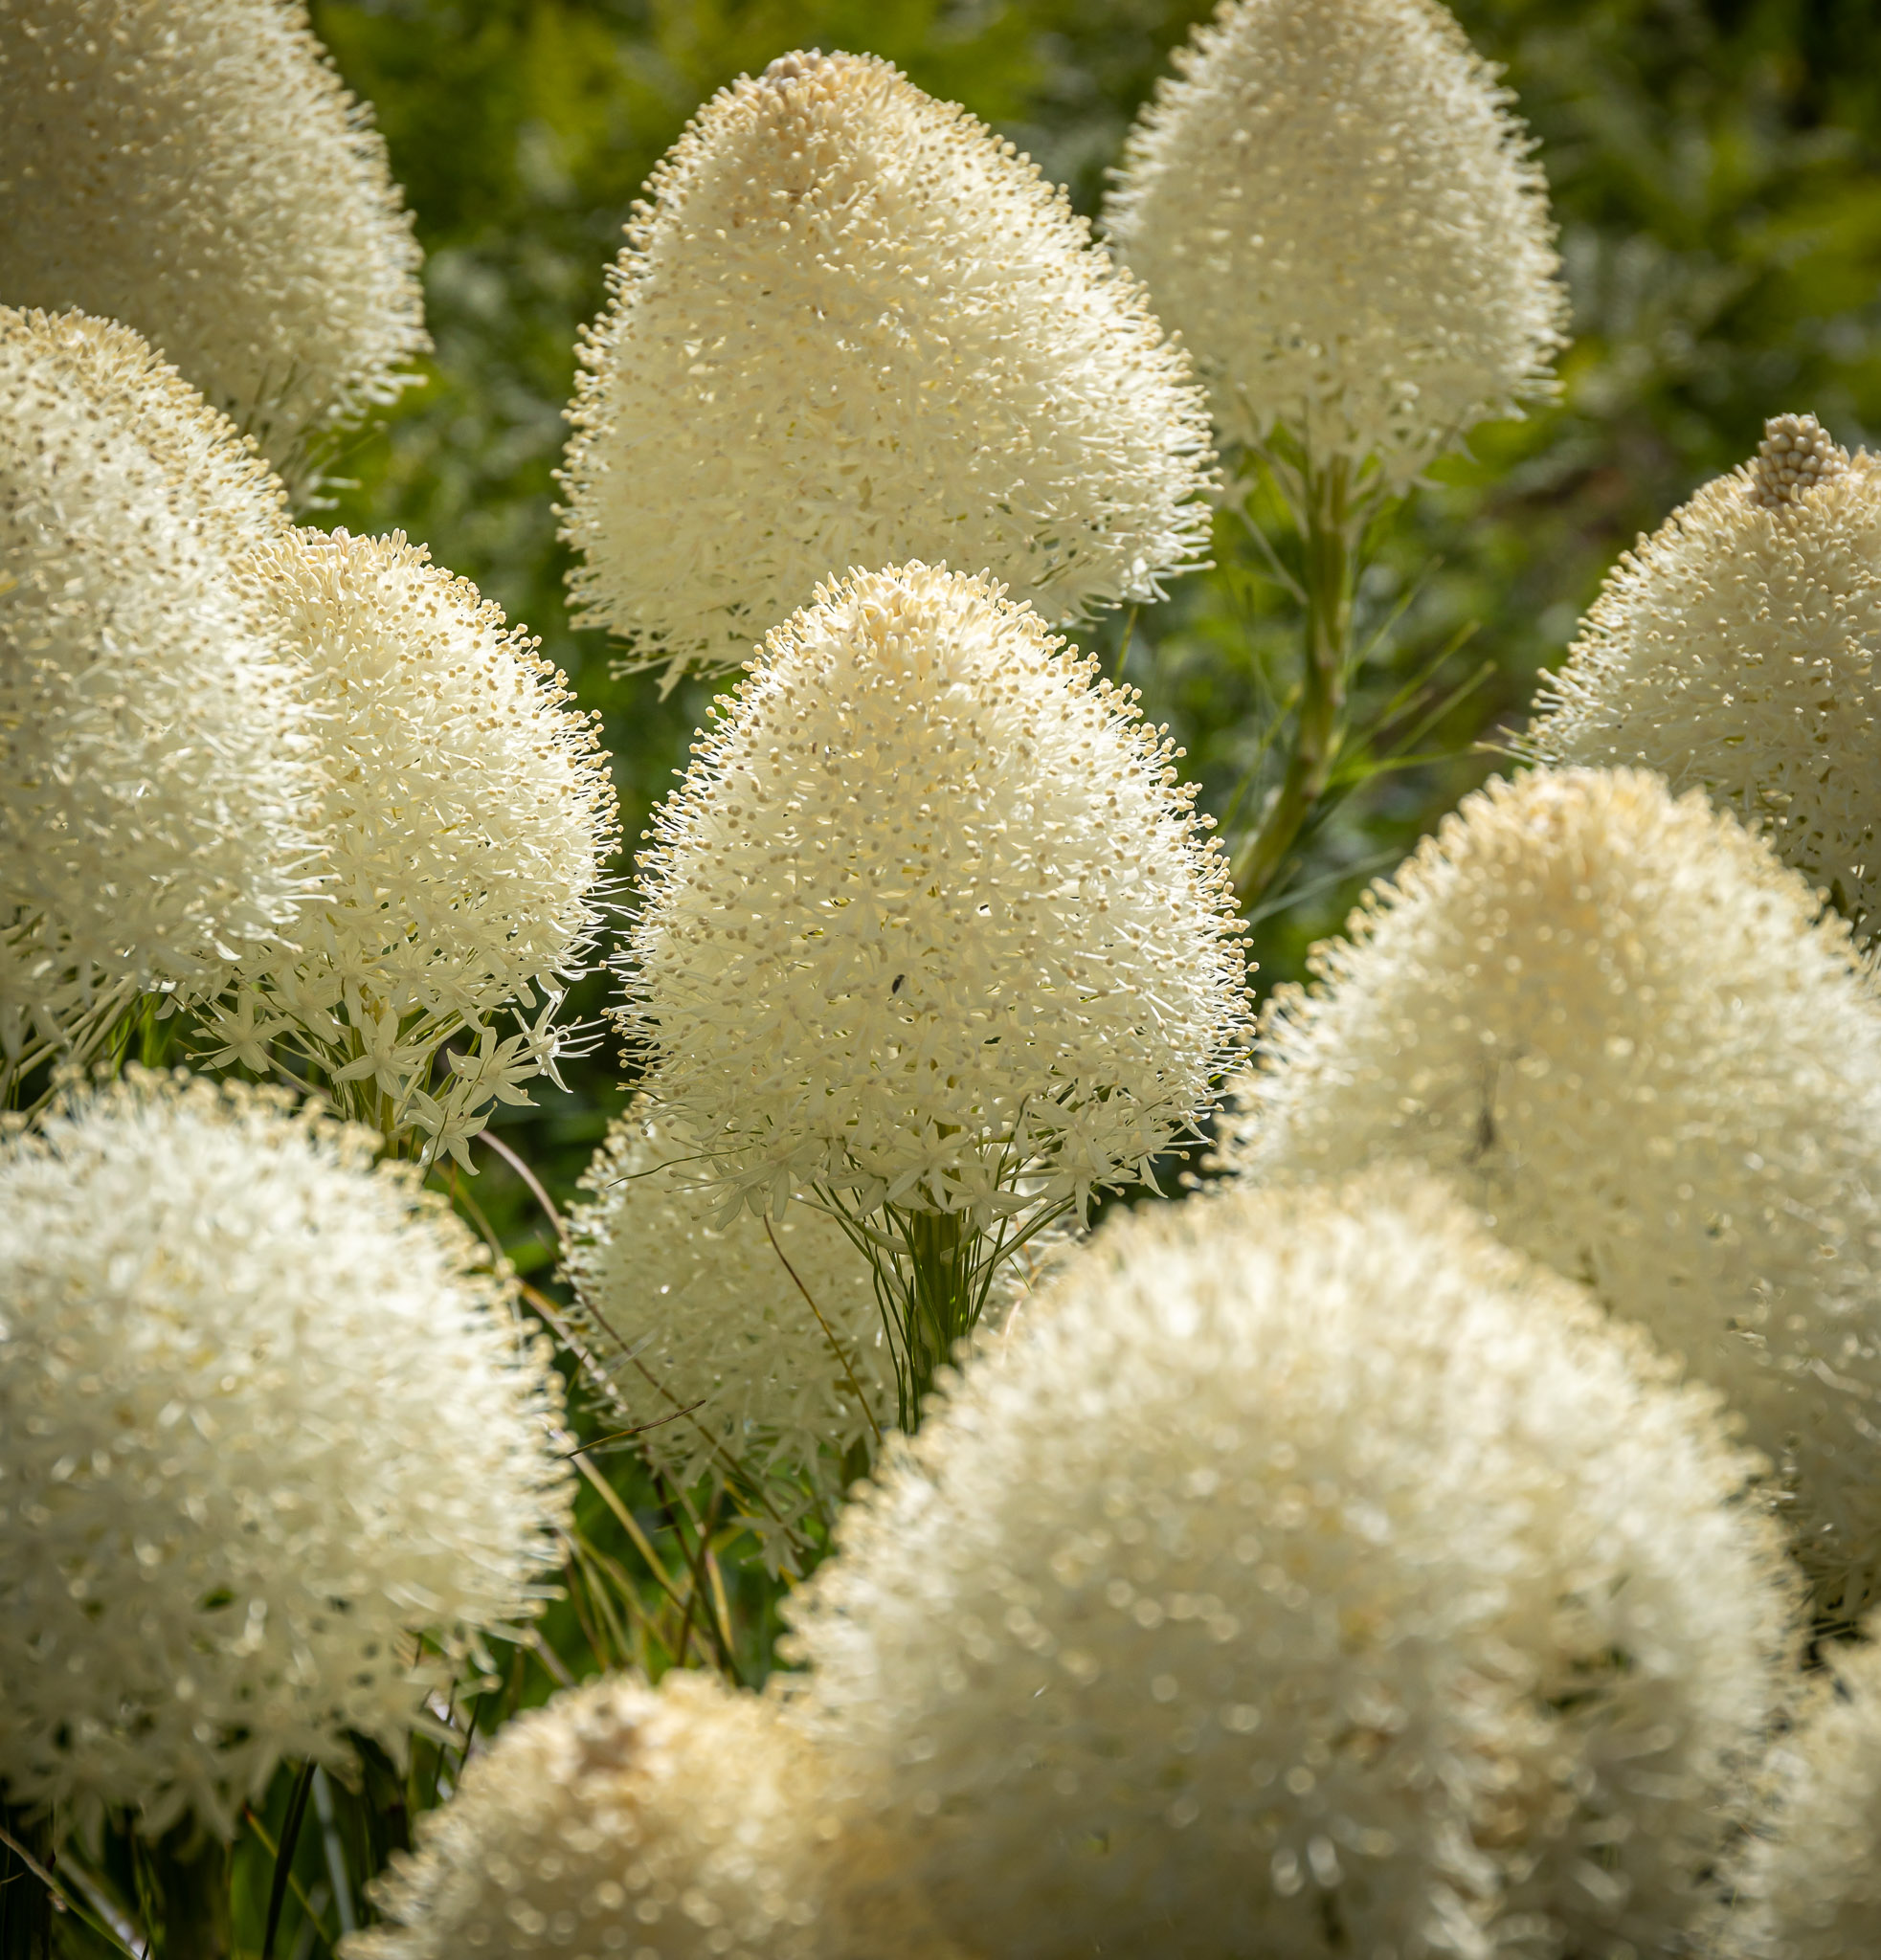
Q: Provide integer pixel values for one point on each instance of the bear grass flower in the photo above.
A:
(685, 1822)
(1350, 1583)
(1333, 205)
(1734, 651)
(156, 761)
(195, 169)
(929, 931)
(1619, 1026)
(1809, 1886)
(232, 1494)
(467, 819)
(742, 1346)
(851, 327)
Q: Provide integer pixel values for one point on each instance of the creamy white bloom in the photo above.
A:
(931, 912)
(1332, 204)
(1809, 1887)
(1306, 1575)
(850, 327)
(156, 771)
(467, 818)
(686, 1823)
(262, 1418)
(195, 169)
(746, 1340)
(1734, 650)
(1616, 1022)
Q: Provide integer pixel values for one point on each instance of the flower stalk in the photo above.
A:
(1330, 513)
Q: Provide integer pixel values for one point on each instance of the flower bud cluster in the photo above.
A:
(264, 1418)
(684, 1823)
(747, 1341)
(1305, 1575)
(1733, 650)
(930, 917)
(468, 814)
(1331, 204)
(156, 758)
(852, 327)
(194, 169)
(1617, 1024)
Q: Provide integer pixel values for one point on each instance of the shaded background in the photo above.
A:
(1713, 165)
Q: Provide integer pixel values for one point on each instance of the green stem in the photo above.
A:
(941, 1303)
(26, 1904)
(1329, 566)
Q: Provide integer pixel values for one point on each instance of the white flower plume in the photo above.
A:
(195, 169)
(681, 1823)
(156, 770)
(1332, 204)
(1615, 1021)
(1809, 1886)
(468, 816)
(1733, 650)
(1307, 1574)
(746, 1341)
(929, 913)
(263, 1419)
(852, 327)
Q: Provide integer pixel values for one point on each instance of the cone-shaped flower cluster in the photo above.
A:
(1734, 650)
(1613, 1020)
(930, 914)
(155, 761)
(1333, 205)
(1810, 1886)
(261, 1418)
(195, 169)
(746, 1340)
(467, 818)
(1306, 1574)
(853, 327)
(686, 1824)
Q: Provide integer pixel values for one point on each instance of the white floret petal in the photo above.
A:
(681, 1824)
(1623, 1029)
(468, 817)
(1307, 1574)
(746, 1343)
(1808, 1887)
(929, 920)
(1332, 203)
(1734, 651)
(265, 1418)
(852, 327)
(157, 758)
(195, 169)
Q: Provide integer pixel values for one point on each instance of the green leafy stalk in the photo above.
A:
(1331, 521)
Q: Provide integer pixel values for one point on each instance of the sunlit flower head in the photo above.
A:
(681, 1824)
(1307, 1574)
(1733, 650)
(156, 767)
(852, 327)
(263, 1420)
(1332, 204)
(467, 818)
(930, 916)
(195, 169)
(1615, 1021)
